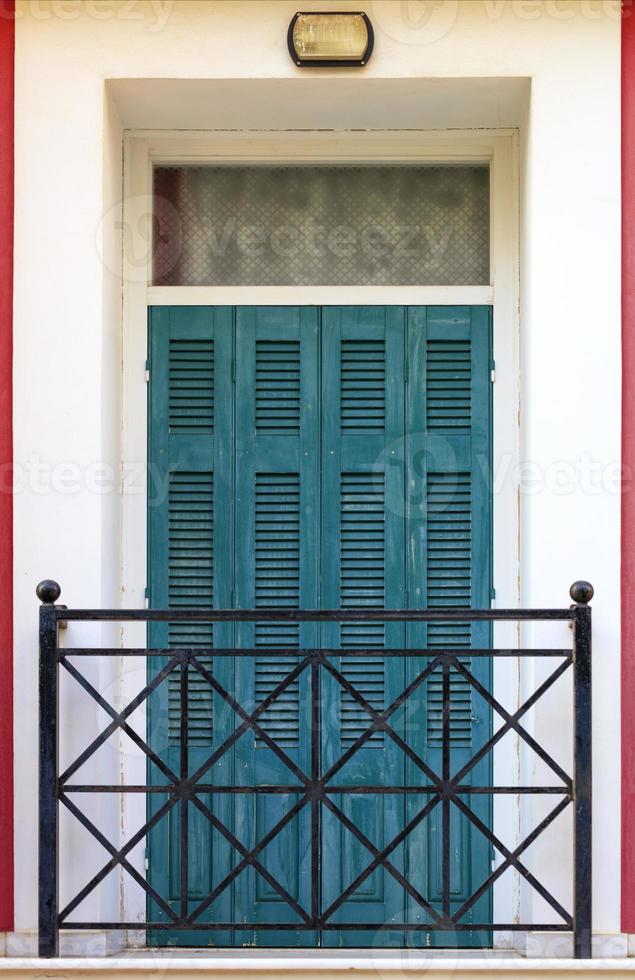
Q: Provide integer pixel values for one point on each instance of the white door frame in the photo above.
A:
(498, 148)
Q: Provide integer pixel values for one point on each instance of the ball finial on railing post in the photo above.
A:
(48, 591)
(581, 592)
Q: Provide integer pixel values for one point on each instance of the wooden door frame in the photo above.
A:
(498, 148)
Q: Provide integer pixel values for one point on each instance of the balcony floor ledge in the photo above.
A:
(178, 965)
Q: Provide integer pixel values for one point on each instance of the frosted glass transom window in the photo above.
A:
(327, 225)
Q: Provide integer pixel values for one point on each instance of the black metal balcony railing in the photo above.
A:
(313, 787)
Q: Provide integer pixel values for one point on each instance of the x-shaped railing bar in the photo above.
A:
(118, 856)
(119, 719)
(249, 720)
(250, 859)
(380, 719)
(511, 861)
(498, 844)
(502, 731)
(511, 720)
(380, 858)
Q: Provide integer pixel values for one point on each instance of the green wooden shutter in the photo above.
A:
(448, 401)
(190, 564)
(363, 548)
(277, 495)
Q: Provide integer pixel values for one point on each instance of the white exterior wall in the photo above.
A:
(68, 311)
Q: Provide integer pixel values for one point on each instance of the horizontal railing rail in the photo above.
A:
(314, 789)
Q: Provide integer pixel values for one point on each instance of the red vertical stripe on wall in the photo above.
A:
(628, 460)
(7, 39)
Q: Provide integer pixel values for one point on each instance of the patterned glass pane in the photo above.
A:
(304, 225)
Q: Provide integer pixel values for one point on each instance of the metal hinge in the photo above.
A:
(146, 860)
(146, 601)
(147, 371)
(492, 595)
(492, 371)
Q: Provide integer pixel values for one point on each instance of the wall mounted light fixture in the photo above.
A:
(330, 40)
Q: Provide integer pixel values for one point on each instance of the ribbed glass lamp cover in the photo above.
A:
(330, 37)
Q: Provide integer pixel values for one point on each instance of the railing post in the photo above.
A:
(582, 593)
(48, 592)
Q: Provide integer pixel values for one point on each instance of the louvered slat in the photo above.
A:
(277, 387)
(191, 575)
(363, 385)
(277, 562)
(449, 584)
(362, 583)
(191, 386)
(449, 384)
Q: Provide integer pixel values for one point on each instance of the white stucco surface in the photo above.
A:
(159, 60)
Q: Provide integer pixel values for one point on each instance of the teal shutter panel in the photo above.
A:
(277, 503)
(450, 545)
(363, 530)
(190, 564)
